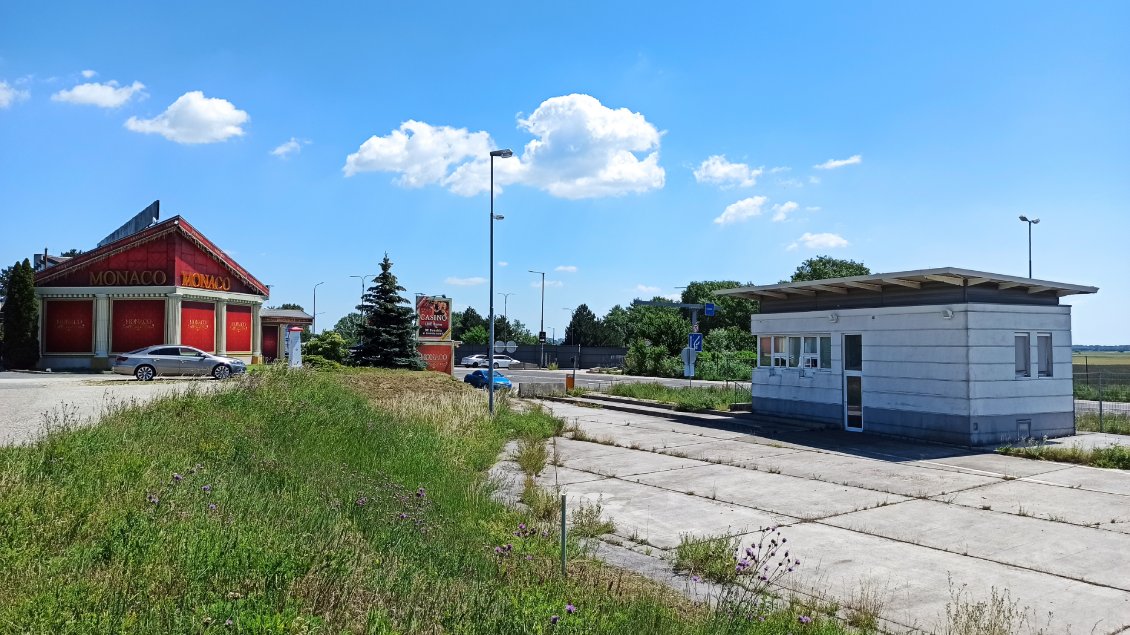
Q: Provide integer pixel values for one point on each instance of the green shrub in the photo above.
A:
(318, 362)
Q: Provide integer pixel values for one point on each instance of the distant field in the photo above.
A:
(1101, 359)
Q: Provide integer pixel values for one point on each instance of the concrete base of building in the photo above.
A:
(935, 427)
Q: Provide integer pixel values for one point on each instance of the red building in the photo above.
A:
(164, 284)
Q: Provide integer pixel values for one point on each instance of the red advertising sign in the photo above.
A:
(198, 325)
(68, 326)
(433, 317)
(438, 357)
(239, 328)
(137, 324)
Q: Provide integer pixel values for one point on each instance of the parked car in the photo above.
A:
(475, 361)
(151, 361)
(479, 379)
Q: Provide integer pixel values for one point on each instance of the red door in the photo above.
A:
(270, 342)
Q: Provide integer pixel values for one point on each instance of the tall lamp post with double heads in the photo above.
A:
(502, 154)
(314, 326)
(362, 307)
(541, 324)
(1034, 221)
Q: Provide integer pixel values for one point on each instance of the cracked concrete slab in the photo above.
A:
(872, 474)
(992, 465)
(1090, 478)
(638, 437)
(1069, 551)
(610, 460)
(729, 452)
(789, 496)
(1051, 502)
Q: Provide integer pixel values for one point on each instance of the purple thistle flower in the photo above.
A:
(529, 557)
(570, 609)
(498, 550)
(553, 619)
(403, 515)
(696, 579)
(361, 501)
(521, 526)
(206, 489)
(804, 619)
(420, 493)
(177, 477)
(211, 507)
(228, 622)
(152, 498)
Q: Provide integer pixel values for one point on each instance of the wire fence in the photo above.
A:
(1102, 401)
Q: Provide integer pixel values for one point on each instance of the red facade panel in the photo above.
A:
(239, 329)
(270, 342)
(136, 324)
(198, 325)
(438, 357)
(197, 268)
(148, 264)
(68, 326)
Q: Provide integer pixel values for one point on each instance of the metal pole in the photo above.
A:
(1029, 249)
(563, 574)
(314, 326)
(490, 350)
(1100, 401)
(541, 323)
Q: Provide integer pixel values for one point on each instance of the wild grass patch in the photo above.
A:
(687, 399)
(1117, 456)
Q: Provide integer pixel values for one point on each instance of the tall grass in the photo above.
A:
(1115, 423)
(690, 399)
(303, 502)
(1117, 456)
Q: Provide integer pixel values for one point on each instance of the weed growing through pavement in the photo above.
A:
(1116, 456)
(999, 615)
(587, 521)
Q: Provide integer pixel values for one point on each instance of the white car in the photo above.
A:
(475, 361)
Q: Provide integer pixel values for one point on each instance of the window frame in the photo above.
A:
(1027, 354)
(789, 350)
(1041, 370)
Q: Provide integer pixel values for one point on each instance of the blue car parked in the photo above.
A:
(479, 379)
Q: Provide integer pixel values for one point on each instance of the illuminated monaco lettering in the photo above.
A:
(127, 278)
(197, 324)
(144, 324)
(205, 281)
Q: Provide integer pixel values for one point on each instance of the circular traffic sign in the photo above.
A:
(499, 347)
(511, 346)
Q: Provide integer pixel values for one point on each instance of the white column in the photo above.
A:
(101, 331)
(172, 318)
(256, 334)
(221, 327)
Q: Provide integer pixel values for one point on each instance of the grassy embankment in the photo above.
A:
(687, 399)
(305, 503)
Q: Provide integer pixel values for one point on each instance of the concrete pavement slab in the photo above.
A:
(553, 476)
(915, 582)
(661, 516)
(992, 465)
(878, 475)
(609, 460)
(1070, 551)
(779, 494)
(1051, 502)
(1089, 478)
(636, 436)
(730, 452)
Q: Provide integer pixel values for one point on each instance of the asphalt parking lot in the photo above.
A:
(29, 402)
(899, 518)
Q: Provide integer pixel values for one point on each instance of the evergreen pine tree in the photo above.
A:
(21, 318)
(388, 336)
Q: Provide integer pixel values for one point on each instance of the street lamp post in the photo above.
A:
(362, 307)
(1034, 221)
(541, 324)
(314, 326)
(505, 303)
(504, 154)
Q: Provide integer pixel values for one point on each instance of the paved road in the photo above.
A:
(866, 513)
(29, 402)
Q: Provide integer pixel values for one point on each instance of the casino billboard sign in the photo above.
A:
(433, 315)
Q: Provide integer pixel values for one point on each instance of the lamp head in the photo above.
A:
(499, 217)
(1035, 221)
(502, 154)
(1024, 218)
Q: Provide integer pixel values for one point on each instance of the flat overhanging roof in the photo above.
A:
(906, 279)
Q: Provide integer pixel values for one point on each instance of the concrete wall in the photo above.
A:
(925, 375)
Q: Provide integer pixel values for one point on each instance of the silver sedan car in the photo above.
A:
(151, 361)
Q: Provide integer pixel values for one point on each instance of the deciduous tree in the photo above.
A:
(825, 267)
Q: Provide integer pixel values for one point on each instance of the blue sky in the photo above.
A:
(933, 126)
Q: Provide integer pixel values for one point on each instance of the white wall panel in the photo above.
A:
(1027, 387)
(1020, 406)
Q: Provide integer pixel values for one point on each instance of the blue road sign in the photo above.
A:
(708, 310)
(694, 342)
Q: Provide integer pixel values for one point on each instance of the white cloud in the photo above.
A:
(194, 118)
(581, 149)
(717, 170)
(812, 208)
(814, 180)
(108, 95)
(284, 150)
(549, 283)
(832, 164)
(790, 183)
(744, 209)
(9, 95)
(643, 288)
(503, 263)
(567, 268)
(781, 211)
(819, 241)
(466, 282)
(89, 73)
(778, 170)
(674, 297)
